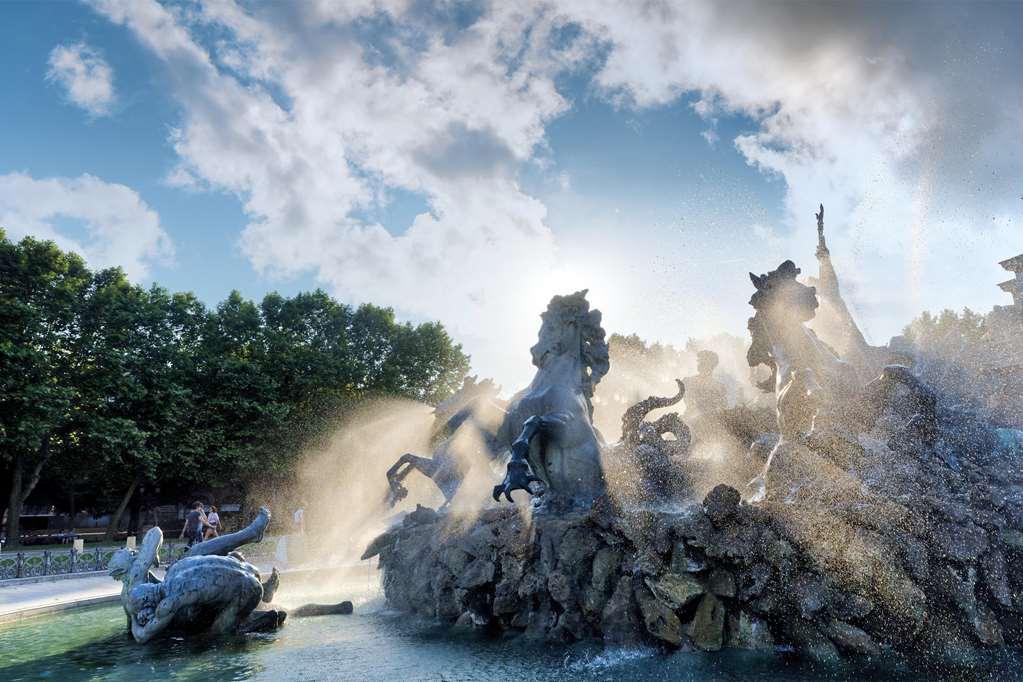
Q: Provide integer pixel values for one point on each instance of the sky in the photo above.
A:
(465, 161)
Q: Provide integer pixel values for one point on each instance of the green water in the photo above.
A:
(374, 644)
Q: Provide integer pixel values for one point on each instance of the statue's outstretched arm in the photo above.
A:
(147, 557)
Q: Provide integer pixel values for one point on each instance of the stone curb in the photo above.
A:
(14, 582)
(54, 608)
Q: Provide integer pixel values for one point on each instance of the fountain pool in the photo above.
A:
(377, 644)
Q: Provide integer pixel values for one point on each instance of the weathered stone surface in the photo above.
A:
(707, 628)
(721, 582)
(560, 588)
(569, 627)
(478, 573)
(746, 631)
(620, 620)
(605, 568)
(381, 543)
(962, 542)
(1012, 538)
(851, 639)
(685, 560)
(986, 626)
(644, 562)
(813, 644)
(659, 619)
(721, 503)
(678, 590)
(577, 548)
(996, 579)
(455, 559)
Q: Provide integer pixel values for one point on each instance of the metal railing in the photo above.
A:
(40, 563)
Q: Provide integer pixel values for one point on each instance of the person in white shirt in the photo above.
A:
(212, 523)
(299, 519)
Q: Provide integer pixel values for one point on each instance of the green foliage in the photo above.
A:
(948, 327)
(126, 385)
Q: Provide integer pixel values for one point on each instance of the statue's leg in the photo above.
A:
(341, 608)
(271, 585)
(225, 544)
(521, 471)
(262, 620)
(405, 465)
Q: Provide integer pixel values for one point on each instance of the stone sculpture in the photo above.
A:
(212, 588)
(705, 394)
(648, 457)
(549, 424)
(815, 390)
(546, 430)
(475, 409)
(901, 539)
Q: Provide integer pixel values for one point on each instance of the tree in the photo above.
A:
(109, 388)
(41, 288)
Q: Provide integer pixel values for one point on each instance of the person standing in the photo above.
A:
(213, 521)
(195, 524)
(299, 519)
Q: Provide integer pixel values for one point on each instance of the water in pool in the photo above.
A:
(376, 644)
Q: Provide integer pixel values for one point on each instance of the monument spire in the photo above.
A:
(850, 340)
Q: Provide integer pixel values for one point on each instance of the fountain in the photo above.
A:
(880, 522)
(883, 524)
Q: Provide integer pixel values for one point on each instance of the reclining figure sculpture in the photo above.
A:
(212, 588)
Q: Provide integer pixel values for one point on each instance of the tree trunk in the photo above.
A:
(5, 484)
(20, 490)
(14, 503)
(37, 470)
(115, 520)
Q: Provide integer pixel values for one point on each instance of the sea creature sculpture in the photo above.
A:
(637, 431)
(648, 457)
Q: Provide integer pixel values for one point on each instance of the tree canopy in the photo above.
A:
(106, 386)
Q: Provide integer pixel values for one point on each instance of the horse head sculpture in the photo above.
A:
(549, 425)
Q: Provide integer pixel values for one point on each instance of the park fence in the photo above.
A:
(52, 562)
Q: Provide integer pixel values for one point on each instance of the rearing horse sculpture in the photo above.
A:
(474, 411)
(814, 387)
(805, 372)
(549, 425)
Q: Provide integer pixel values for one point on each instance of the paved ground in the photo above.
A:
(27, 599)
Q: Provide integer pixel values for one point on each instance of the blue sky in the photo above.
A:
(464, 161)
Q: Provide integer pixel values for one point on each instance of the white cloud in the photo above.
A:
(911, 142)
(85, 76)
(308, 128)
(117, 227)
(311, 112)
